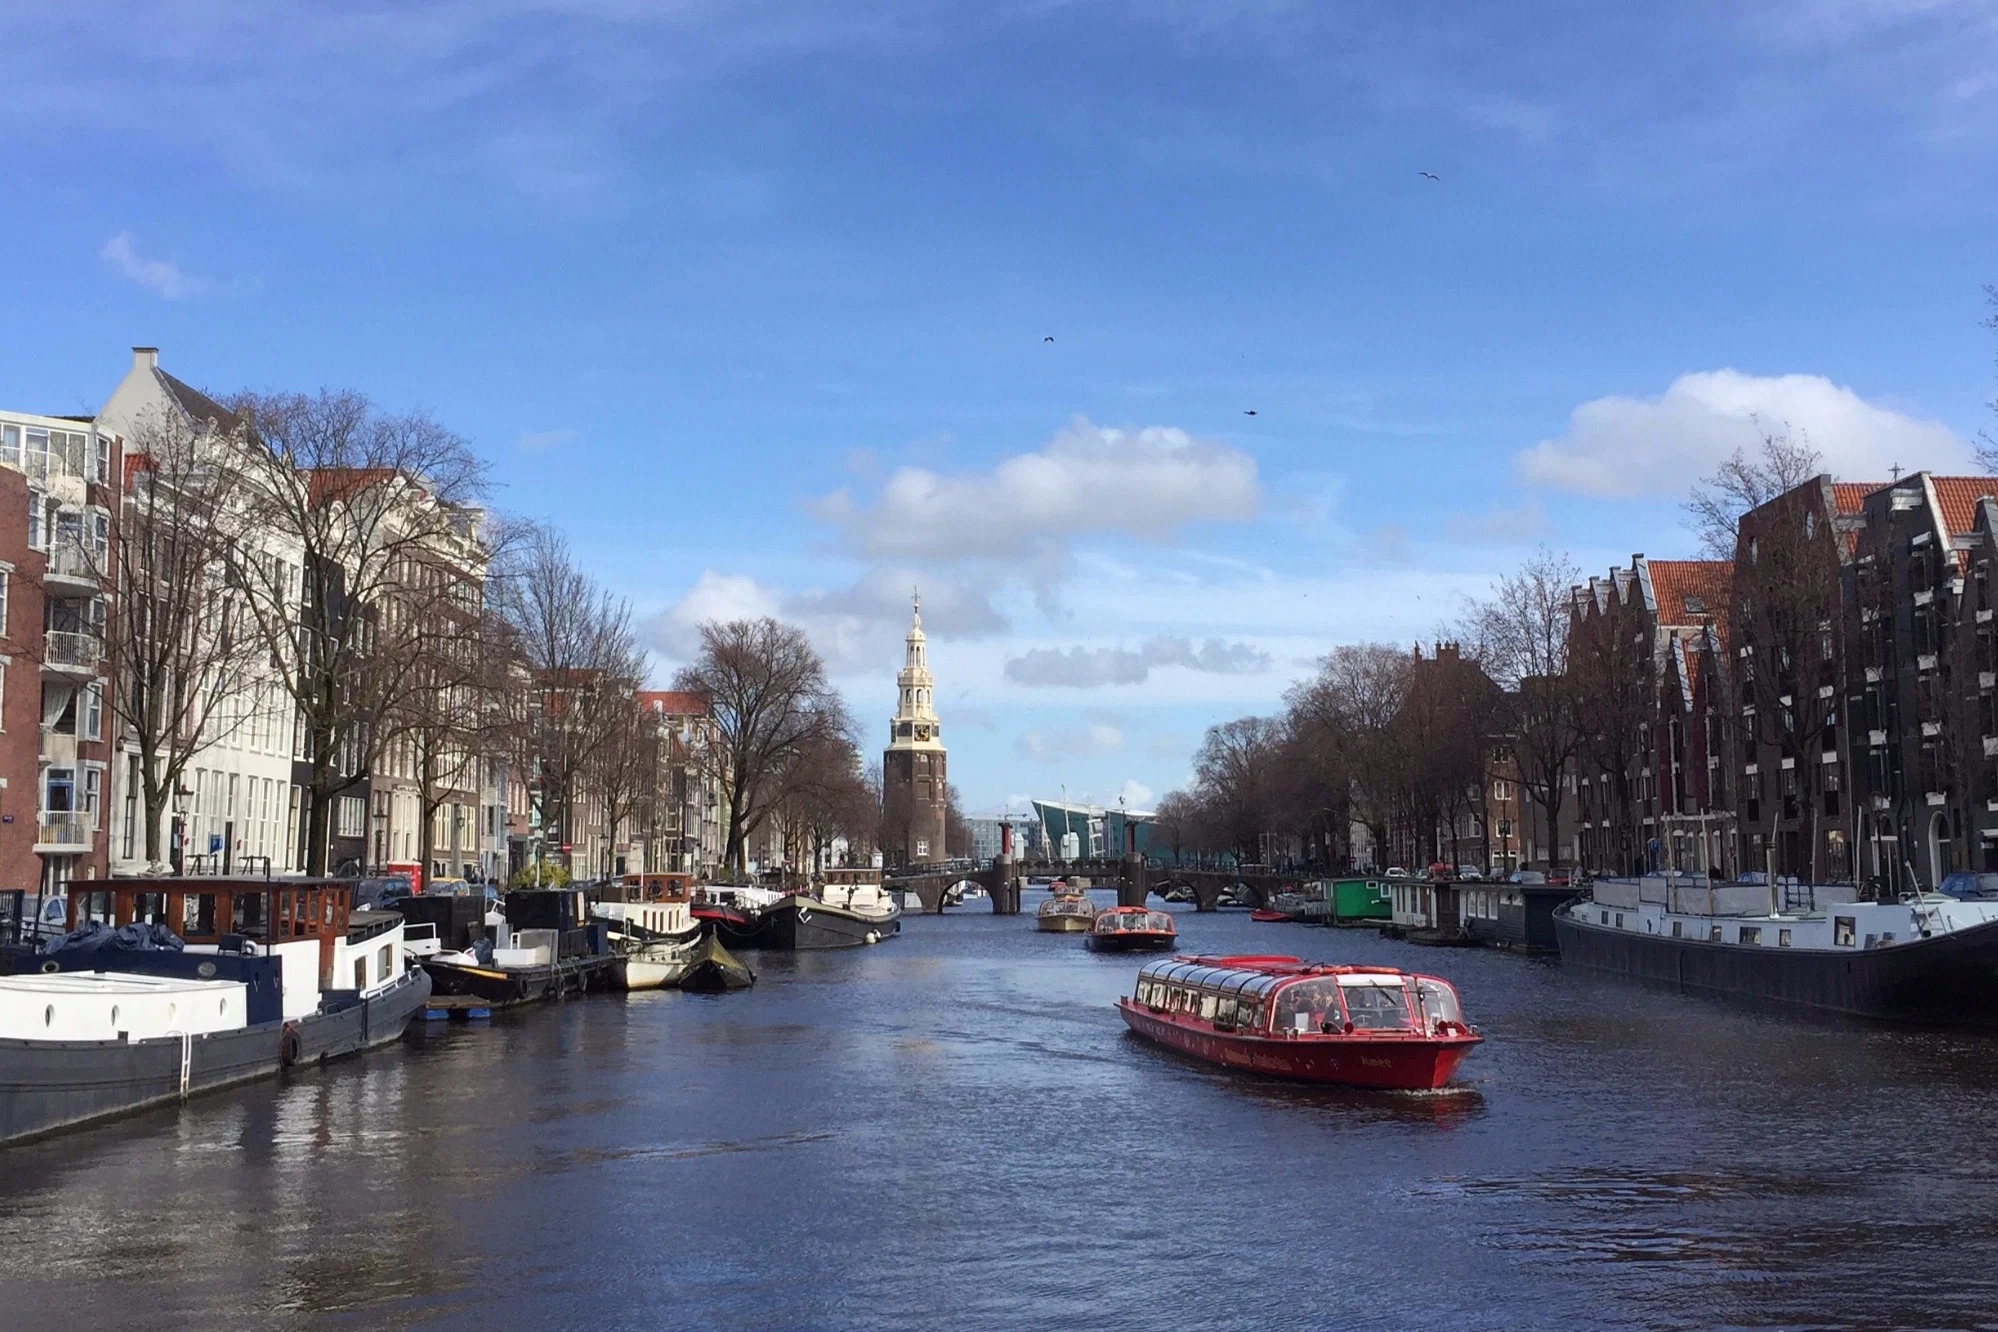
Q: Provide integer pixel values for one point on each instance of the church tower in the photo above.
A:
(912, 769)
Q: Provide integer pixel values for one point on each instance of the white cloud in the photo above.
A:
(677, 630)
(1088, 668)
(1499, 525)
(162, 277)
(540, 441)
(1146, 483)
(1069, 742)
(1622, 447)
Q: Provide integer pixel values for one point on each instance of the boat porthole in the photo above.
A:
(205, 970)
(173, 1011)
(51, 968)
(48, 1016)
(114, 1015)
(224, 1007)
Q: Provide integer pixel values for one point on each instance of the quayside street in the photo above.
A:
(953, 1130)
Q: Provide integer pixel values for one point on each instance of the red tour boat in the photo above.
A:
(1132, 929)
(1360, 1026)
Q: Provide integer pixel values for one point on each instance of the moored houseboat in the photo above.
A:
(1132, 930)
(163, 988)
(1929, 958)
(848, 910)
(652, 932)
(1356, 901)
(543, 945)
(1355, 1026)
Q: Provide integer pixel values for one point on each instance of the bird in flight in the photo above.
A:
(1428, 175)
(1048, 338)
(1250, 412)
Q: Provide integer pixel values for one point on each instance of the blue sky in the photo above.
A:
(752, 298)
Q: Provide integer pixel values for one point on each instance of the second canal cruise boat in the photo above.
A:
(1132, 930)
(1355, 1026)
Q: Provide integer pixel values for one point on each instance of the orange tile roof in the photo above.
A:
(1849, 497)
(1707, 582)
(673, 702)
(1958, 496)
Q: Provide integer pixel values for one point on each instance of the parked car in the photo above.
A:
(1470, 872)
(1526, 876)
(1396, 872)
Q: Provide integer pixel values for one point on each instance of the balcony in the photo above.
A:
(72, 566)
(72, 653)
(62, 833)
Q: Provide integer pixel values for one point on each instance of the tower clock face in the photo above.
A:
(922, 733)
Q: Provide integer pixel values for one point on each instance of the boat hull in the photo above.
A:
(803, 924)
(1948, 980)
(49, 1086)
(1417, 1063)
(1132, 941)
(653, 967)
(712, 970)
(1062, 924)
(498, 987)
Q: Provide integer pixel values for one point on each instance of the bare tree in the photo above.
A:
(1522, 633)
(1745, 482)
(575, 650)
(1351, 708)
(1233, 769)
(188, 661)
(377, 511)
(771, 701)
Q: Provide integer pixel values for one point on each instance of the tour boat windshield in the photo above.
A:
(1439, 1001)
(1375, 1002)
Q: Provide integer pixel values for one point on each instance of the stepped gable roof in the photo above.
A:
(1689, 591)
(198, 405)
(673, 702)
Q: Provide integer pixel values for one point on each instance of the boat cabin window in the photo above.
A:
(1843, 931)
(1309, 1005)
(1782, 938)
(1439, 1001)
(1224, 1011)
(1376, 1003)
(1751, 934)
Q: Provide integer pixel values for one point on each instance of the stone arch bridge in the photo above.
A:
(1134, 880)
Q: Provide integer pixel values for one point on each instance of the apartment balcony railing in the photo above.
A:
(63, 832)
(72, 651)
(69, 560)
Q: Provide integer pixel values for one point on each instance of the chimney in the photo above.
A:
(145, 358)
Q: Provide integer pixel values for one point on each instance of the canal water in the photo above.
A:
(953, 1130)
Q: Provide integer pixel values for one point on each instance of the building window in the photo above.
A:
(93, 792)
(353, 821)
(10, 445)
(100, 463)
(3, 602)
(93, 712)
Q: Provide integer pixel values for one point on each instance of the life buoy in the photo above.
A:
(51, 967)
(290, 1048)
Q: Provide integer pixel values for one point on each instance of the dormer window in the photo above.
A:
(1696, 605)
